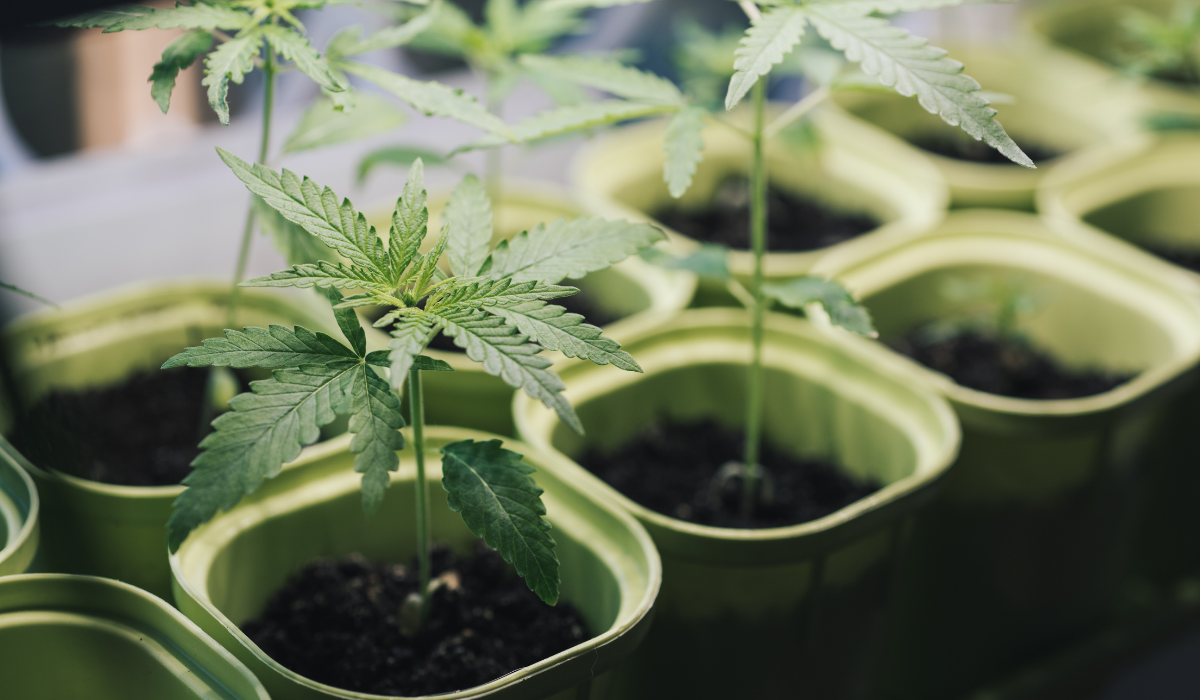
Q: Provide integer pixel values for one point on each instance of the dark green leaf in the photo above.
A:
(230, 61)
(375, 421)
(272, 347)
(348, 322)
(178, 55)
(554, 329)
(409, 338)
(430, 364)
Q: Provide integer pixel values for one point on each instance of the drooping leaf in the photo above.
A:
(396, 155)
(550, 252)
(684, 146)
(295, 48)
(770, 37)
(501, 503)
(137, 17)
(468, 216)
(348, 43)
(265, 429)
(431, 97)
(230, 61)
(429, 364)
(272, 347)
(298, 246)
(507, 354)
(608, 75)
(913, 67)
(841, 306)
(571, 118)
(554, 329)
(323, 124)
(409, 338)
(375, 422)
(178, 55)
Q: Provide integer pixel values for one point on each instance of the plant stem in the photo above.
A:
(248, 230)
(416, 402)
(758, 237)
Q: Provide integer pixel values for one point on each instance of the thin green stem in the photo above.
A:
(758, 237)
(416, 401)
(248, 230)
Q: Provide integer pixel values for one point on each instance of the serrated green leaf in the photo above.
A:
(295, 48)
(683, 145)
(913, 67)
(841, 306)
(554, 329)
(507, 354)
(396, 155)
(297, 246)
(431, 98)
(265, 429)
(501, 503)
(429, 364)
(274, 347)
(468, 217)
(230, 61)
(348, 322)
(375, 422)
(428, 267)
(563, 120)
(316, 209)
(550, 252)
(321, 274)
(410, 221)
(409, 338)
(178, 55)
(348, 43)
(479, 292)
(324, 125)
(137, 17)
(608, 75)
(770, 37)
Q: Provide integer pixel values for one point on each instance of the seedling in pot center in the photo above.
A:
(1165, 48)
(493, 303)
(890, 54)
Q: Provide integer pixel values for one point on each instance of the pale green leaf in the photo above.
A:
(770, 37)
(347, 43)
(409, 337)
(841, 306)
(295, 48)
(501, 18)
(891, 7)
(322, 274)
(563, 120)
(908, 64)
(478, 292)
(323, 124)
(608, 75)
(539, 24)
(297, 246)
(375, 422)
(429, 364)
(468, 216)
(410, 221)
(178, 55)
(550, 252)
(501, 503)
(230, 61)
(274, 347)
(554, 329)
(581, 4)
(137, 17)
(710, 260)
(396, 155)
(683, 145)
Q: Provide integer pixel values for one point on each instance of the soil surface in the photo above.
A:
(143, 432)
(1006, 367)
(673, 469)
(337, 622)
(1183, 258)
(968, 149)
(794, 223)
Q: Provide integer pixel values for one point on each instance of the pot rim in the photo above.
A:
(27, 536)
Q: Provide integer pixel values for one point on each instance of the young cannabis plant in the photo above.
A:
(493, 303)
(1165, 48)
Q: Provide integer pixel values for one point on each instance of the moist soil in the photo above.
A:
(337, 622)
(1183, 258)
(673, 469)
(1004, 366)
(795, 223)
(142, 432)
(968, 149)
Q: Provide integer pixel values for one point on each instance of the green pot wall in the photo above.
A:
(19, 506)
(1039, 117)
(1083, 37)
(84, 637)
(855, 169)
(472, 398)
(770, 613)
(226, 570)
(1027, 544)
(104, 529)
(1146, 192)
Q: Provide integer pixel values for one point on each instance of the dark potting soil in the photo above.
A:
(1183, 258)
(142, 432)
(1006, 367)
(968, 149)
(337, 622)
(671, 468)
(794, 224)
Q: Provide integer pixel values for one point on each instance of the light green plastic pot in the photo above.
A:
(1027, 545)
(1040, 116)
(105, 529)
(778, 612)
(1146, 192)
(855, 168)
(226, 570)
(19, 506)
(472, 398)
(1085, 39)
(85, 637)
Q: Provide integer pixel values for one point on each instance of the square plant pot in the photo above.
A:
(853, 169)
(470, 397)
(774, 612)
(111, 530)
(226, 570)
(19, 511)
(1027, 545)
(85, 637)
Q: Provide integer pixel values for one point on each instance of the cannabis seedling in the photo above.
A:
(1164, 48)
(493, 304)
